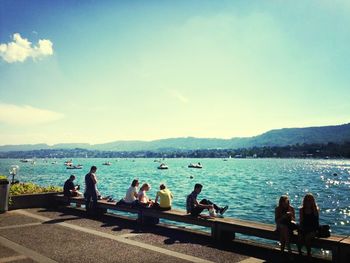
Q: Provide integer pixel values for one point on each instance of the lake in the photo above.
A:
(251, 187)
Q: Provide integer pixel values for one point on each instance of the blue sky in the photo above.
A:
(99, 71)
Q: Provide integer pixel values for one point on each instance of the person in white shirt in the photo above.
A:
(142, 196)
(131, 193)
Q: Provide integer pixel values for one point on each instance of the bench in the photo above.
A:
(222, 229)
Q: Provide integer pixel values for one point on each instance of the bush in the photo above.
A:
(30, 188)
(3, 177)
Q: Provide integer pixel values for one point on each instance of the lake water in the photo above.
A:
(251, 187)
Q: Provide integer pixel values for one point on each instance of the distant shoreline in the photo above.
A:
(304, 151)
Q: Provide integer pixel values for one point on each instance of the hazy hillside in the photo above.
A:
(278, 137)
(281, 137)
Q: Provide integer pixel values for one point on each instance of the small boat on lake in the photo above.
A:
(195, 165)
(163, 166)
(79, 166)
(107, 163)
(26, 160)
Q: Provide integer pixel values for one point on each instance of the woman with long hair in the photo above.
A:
(285, 220)
(309, 222)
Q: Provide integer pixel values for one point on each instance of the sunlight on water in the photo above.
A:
(251, 187)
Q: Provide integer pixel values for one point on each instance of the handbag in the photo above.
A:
(323, 231)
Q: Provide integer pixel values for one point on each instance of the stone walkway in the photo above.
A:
(40, 235)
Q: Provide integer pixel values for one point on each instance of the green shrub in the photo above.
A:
(3, 177)
(30, 188)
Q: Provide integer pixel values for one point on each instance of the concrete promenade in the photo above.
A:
(66, 235)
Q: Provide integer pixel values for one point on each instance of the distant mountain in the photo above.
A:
(291, 136)
(278, 137)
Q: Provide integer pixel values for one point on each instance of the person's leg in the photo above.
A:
(308, 240)
(87, 197)
(288, 236)
(300, 242)
(94, 200)
(283, 230)
(196, 211)
(208, 202)
(217, 208)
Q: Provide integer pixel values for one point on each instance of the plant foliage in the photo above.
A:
(30, 188)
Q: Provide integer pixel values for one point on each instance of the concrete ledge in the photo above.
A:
(32, 200)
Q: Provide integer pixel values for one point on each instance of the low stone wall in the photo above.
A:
(32, 200)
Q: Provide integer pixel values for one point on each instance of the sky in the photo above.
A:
(101, 71)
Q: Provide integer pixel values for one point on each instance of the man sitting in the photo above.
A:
(195, 208)
(69, 189)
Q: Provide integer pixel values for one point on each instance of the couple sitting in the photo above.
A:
(135, 197)
(308, 226)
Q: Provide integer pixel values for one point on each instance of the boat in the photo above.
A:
(26, 160)
(195, 165)
(79, 166)
(163, 166)
(107, 163)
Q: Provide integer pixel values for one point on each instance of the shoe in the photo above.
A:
(223, 210)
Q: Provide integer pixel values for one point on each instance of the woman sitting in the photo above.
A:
(285, 221)
(309, 222)
(131, 194)
(142, 197)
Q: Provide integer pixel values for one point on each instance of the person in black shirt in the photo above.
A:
(91, 190)
(195, 208)
(69, 189)
(309, 222)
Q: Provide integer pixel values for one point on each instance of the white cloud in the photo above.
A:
(176, 94)
(26, 115)
(21, 49)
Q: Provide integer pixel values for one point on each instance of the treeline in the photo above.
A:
(329, 150)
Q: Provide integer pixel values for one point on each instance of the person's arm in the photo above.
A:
(157, 195)
(196, 203)
(140, 197)
(301, 217)
(292, 213)
(135, 194)
(93, 177)
(277, 215)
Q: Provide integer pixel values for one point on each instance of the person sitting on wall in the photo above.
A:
(142, 197)
(285, 221)
(309, 223)
(71, 190)
(165, 197)
(194, 207)
(131, 194)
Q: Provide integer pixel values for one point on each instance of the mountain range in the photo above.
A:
(278, 137)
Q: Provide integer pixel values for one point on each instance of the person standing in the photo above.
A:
(90, 190)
